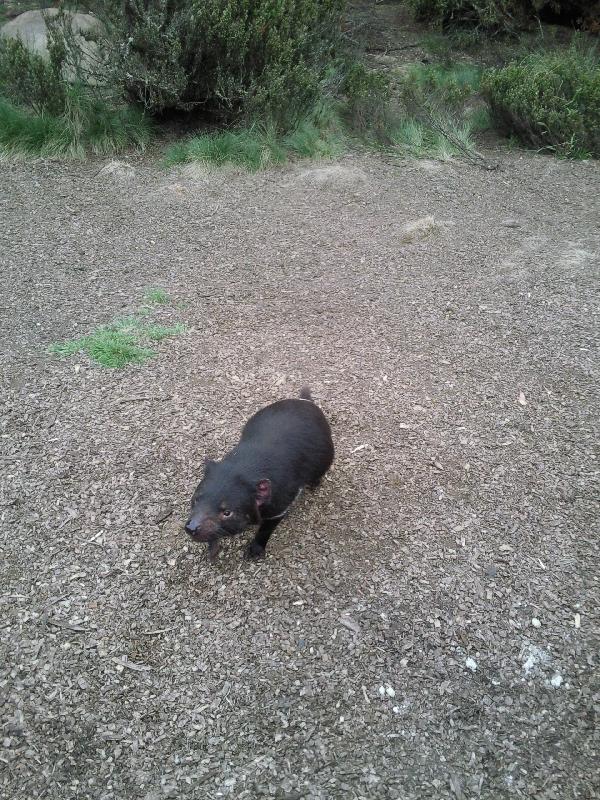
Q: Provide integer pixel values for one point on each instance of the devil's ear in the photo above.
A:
(263, 491)
(208, 465)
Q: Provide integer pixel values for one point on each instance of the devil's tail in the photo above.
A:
(305, 394)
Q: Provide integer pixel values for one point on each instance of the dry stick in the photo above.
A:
(75, 628)
(385, 50)
(472, 155)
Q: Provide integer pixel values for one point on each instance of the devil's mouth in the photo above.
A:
(198, 536)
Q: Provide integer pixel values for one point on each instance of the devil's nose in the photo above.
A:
(190, 527)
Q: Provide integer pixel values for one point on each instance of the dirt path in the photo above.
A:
(450, 562)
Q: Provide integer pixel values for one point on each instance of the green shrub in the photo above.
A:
(504, 16)
(367, 95)
(447, 86)
(549, 100)
(233, 58)
(491, 16)
(41, 114)
(30, 80)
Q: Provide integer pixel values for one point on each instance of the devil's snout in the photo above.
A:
(201, 529)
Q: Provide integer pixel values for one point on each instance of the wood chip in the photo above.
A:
(351, 624)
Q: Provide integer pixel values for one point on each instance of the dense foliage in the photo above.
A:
(233, 58)
(499, 16)
(550, 100)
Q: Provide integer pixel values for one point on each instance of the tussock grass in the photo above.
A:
(418, 139)
(157, 297)
(257, 147)
(452, 82)
(87, 125)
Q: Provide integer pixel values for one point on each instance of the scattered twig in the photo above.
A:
(44, 615)
(143, 397)
(157, 631)
(349, 623)
(164, 515)
(471, 155)
(386, 50)
(58, 624)
(123, 662)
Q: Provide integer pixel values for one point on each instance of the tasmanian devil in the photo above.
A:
(284, 447)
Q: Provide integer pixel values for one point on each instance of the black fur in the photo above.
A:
(283, 448)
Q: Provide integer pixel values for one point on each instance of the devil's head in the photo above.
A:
(225, 504)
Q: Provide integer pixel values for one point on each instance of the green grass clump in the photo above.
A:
(449, 84)
(156, 333)
(257, 147)
(109, 348)
(86, 126)
(251, 149)
(418, 139)
(550, 100)
(440, 111)
(157, 297)
(118, 344)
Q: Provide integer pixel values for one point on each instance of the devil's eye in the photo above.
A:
(225, 512)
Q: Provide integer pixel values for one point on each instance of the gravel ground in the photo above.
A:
(426, 624)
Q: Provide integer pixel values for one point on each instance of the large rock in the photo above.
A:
(30, 28)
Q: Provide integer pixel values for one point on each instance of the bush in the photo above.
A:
(367, 106)
(41, 114)
(487, 15)
(497, 16)
(30, 80)
(443, 86)
(233, 58)
(550, 101)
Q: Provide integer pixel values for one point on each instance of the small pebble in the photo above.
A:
(536, 623)
(471, 664)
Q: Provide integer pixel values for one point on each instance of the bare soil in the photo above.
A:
(426, 624)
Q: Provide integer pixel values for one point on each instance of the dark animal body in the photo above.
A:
(283, 448)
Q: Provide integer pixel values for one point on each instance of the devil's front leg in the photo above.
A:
(256, 548)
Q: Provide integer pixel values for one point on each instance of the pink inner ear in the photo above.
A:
(263, 491)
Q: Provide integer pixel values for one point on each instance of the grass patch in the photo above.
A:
(440, 111)
(121, 343)
(86, 126)
(440, 139)
(259, 146)
(156, 333)
(251, 149)
(447, 86)
(109, 348)
(157, 297)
